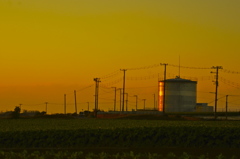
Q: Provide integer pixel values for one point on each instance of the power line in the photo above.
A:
(229, 71)
(112, 82)
(85, 88)
(217, 99)
(230, 83)
(189, 67)
(116, 73)
(110, 75)
(144, 67)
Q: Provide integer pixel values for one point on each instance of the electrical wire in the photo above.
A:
(189, 67)
(229, 71)
(230, 83)
(113, 78)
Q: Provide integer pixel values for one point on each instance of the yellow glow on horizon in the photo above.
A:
(60, 43)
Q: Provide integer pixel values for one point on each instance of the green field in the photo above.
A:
(121, 136)
(9, 125)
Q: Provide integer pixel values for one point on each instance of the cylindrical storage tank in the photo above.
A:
(180, 95)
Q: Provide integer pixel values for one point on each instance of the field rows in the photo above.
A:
(74, 124)
(53, 133)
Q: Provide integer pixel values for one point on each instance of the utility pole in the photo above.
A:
(120, 89)
(65, 104)
(226, 105)
(136, 101)
(115, 98)
(75, 99)
(126, 101)
(124, 72)
(164, 86)
(216, 91)
(46, 106)
(144, 101)
(97, 80)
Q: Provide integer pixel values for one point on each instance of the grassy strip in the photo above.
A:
(165, 136)
(79, 154)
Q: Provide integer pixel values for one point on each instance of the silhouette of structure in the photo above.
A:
(180, 95)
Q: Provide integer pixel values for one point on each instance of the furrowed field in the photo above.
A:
(120, 136)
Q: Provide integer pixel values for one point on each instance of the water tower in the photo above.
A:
(180, 95)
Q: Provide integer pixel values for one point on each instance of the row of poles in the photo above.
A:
(75, 103)
(97, 81)
(122, 91)
(136, 96)
(122, 95)
(122, 99)
(122, 105)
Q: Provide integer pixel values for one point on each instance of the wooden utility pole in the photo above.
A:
(115, 98)
(126, 101)
(75, 99)
(136, 101)
(97, 80)
(124, 73)
(226, 106)
(120, 89)
(216, 89)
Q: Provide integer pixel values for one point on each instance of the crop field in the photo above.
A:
(120, 136)
(9, 125)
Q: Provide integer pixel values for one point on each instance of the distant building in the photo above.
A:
(180, 95)
(203, 107)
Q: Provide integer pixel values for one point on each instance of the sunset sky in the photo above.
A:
(49, 48)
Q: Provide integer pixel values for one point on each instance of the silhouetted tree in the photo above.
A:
(16, 112)
(43, 113)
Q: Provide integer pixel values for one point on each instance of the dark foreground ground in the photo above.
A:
(130, 137)
(131, 153)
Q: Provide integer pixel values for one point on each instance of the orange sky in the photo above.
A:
(49, 48)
